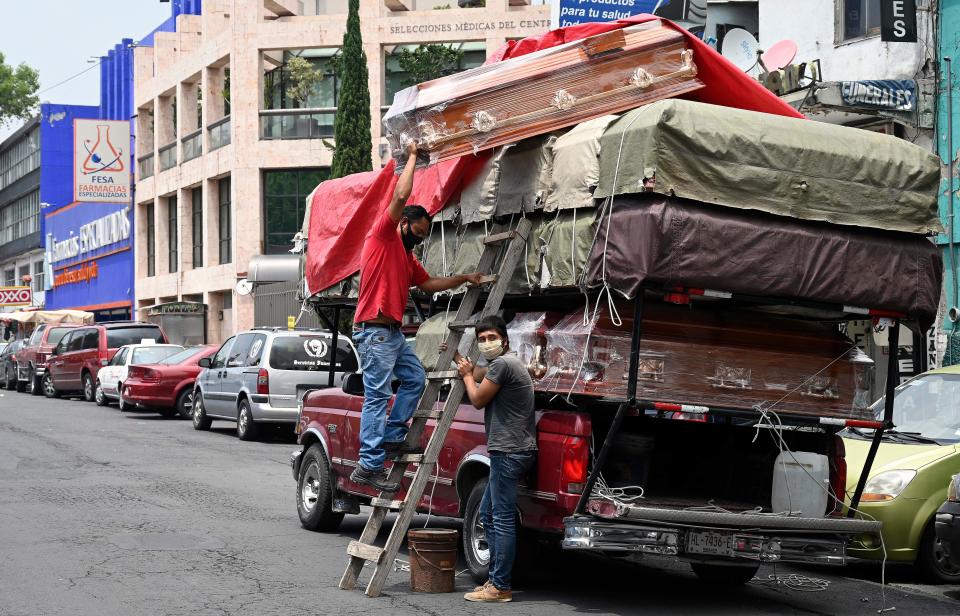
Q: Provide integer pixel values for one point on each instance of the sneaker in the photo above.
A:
(375, 479)
(482, 586)
(395, 450)
(489, 594)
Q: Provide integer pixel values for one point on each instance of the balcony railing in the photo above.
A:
(145, 166)
(313, 123)
(219, 133)
(168, 156)
(192, 145)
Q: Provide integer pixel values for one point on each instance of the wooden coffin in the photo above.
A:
(537, 93)
(703, 357)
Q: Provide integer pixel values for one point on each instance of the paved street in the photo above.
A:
(104, 513)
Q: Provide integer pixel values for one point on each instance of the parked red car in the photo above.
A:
(75, 361)
(32, 358)
(167, 385)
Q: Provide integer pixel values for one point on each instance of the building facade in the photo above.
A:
(227, 153)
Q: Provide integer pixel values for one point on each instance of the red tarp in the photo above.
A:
(343, 209)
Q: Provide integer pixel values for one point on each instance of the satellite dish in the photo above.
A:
(740, 47)
(779, 55)
(244, 287)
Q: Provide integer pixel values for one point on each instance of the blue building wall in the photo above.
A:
(101, 279)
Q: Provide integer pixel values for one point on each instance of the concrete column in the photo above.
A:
(185, 231)
(211, 223)
(163, 120)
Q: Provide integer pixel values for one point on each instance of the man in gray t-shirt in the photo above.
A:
(505, 391)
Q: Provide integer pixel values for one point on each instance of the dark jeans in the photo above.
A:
(498, 510)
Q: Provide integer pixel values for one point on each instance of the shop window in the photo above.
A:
(196, 197)
(151, 241)
(857, 19)
(226, 221)
(284, 204)
(430, 64)
(173, 254)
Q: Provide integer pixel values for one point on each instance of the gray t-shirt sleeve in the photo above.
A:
(498, 371)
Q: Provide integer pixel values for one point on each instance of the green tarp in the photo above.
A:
(784, 166)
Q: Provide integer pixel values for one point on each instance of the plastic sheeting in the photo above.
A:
(655, 239)
(713, 358)
(344, 209)
(784, 166)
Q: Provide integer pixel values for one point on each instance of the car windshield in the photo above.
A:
(56, 334)
(928, 405)
(182, 356)
(121, 336)
(152, 354)
(310, 353)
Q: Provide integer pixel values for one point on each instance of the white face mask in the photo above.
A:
(491, 350)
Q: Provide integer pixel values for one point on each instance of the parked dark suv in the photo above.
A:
(74, 363)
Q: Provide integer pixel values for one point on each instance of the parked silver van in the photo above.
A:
(260, 375)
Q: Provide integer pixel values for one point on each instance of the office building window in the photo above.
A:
(197, 226)
(20, 158)
(226, 221)
(276, 83)
(284, 203)
(38, 277)
(9, 277)
(858, 19)
(20, 218)
(24, 271)
(151, 241)
(173, 255)
(462, 56)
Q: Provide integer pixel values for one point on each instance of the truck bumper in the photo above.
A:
(586, 532)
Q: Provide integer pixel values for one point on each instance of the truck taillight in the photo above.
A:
(838, 475)
(573, 468)
(263, 381)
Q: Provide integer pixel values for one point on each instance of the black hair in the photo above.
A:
(492, 322)
(413, 213)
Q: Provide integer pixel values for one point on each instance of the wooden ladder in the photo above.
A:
(364, 550)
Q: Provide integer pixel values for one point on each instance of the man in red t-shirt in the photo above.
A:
(387, 271)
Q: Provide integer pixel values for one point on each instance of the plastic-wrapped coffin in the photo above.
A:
(538, 93)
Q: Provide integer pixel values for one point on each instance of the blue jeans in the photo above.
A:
(498, 511)
(384, 353)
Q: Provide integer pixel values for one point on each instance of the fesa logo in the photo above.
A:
(15, 296)
(102, 155)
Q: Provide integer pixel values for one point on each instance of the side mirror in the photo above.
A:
(104, 362)
(353, 384)
(204, 363)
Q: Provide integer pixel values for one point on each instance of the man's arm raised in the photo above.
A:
(405, 184)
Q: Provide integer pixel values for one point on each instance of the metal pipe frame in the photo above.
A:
(892, 378)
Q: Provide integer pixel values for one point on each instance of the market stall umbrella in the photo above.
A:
(51, 317)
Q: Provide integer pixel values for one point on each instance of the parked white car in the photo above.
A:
(110, 378)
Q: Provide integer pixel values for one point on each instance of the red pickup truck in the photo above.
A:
(704, 482)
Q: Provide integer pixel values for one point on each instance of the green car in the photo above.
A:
(909, 478)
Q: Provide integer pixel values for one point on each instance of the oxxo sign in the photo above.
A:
(15, 296)
(898, 21)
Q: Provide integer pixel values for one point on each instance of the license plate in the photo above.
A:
(717, 544)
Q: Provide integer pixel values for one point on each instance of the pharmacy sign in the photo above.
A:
(101, 161)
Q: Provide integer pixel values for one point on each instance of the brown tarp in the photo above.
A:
(672, 241)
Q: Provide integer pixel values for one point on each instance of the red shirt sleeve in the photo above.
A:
(384, 225)
(418, 275)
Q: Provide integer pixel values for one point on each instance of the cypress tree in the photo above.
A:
(351, 129)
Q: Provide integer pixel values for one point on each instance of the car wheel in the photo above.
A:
(200, 419)
(47, 387)
(475, 547)
(315, 493)
(35, 384)
(121, 403)
(88, 387)
(725, 575)
(932, 561)
(98, 395)
(184, 404)
(246, 427)
(10, 379)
